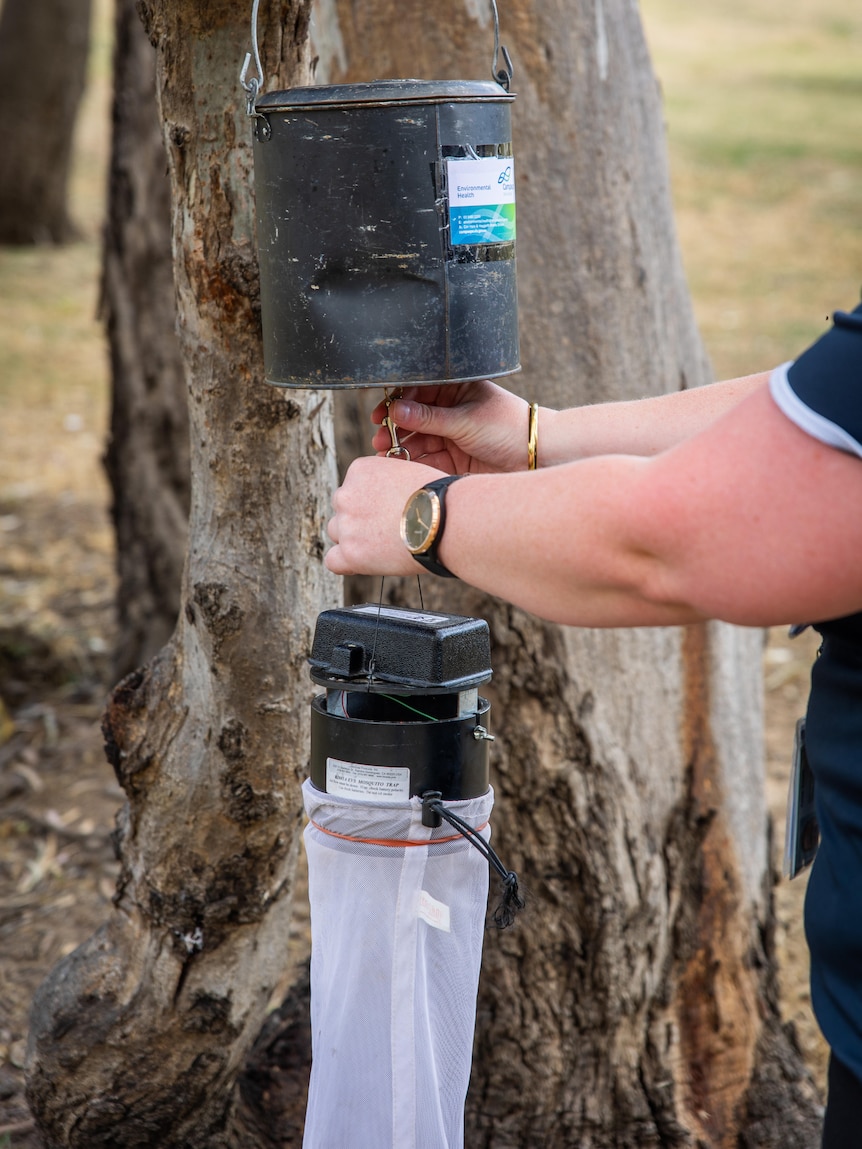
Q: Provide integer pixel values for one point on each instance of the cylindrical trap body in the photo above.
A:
(392, 757)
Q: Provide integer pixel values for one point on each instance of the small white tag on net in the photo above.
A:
(435, 913)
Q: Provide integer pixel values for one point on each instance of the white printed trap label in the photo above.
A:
(409, 615)
(372, 783)
(435, 913)
(481, 200)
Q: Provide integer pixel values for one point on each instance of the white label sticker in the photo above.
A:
(435, 913)
(478, 183)
(481, 201)
(377, 783)
(409, 615)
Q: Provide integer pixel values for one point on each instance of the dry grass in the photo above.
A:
(54, 396)
(53, 363)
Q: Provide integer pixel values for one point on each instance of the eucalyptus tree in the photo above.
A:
(44, 48)
(639, 1006)
(147, 456)
(138, 1036)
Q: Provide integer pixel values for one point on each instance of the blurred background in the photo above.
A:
(763, 104)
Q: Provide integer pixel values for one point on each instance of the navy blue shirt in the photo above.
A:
(822, 393)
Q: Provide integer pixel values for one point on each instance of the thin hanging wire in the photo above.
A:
(503, 76)
(371, 665)
(253, 85)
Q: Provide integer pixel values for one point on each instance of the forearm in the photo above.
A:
(745, 522)
(481, 428)
(638, 427)
(565, 544)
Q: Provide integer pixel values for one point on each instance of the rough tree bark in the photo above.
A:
(636, 1003)
(43, 64)
(147, 459)
(138, 1036)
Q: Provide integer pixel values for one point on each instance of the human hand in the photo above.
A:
(366, 526)
(459, 428)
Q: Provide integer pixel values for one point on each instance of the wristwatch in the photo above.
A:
(422, 523)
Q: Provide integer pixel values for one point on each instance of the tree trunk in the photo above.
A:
(635, 1003)
(43, 64)
(148, 453)
(138, 1036)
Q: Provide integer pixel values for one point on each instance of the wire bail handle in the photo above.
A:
(503, 75)
(253, 85)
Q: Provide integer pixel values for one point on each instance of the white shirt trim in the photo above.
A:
(805, 418)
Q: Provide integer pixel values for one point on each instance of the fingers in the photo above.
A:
(380, 411)
(426, 429)
(414, 415)
(417, 444)
(333, 560)
(365, 526)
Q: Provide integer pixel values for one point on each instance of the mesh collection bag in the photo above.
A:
(397, 921)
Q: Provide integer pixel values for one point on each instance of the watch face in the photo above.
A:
(420, 521)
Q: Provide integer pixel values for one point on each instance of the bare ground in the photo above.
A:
(58, 796)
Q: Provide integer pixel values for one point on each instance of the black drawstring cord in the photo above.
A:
(511, 901)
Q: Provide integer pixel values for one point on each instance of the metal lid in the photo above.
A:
(376, 92)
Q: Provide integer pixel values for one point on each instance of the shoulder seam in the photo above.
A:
(807, 419)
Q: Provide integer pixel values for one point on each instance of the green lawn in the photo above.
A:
(763, 102)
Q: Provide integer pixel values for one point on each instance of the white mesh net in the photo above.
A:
(396, 947)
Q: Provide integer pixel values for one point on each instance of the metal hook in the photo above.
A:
(254, 85)
(396, 450)
(503, 76)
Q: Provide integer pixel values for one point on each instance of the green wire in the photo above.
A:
(407, 706)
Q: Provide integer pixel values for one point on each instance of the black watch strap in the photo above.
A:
(428, 559)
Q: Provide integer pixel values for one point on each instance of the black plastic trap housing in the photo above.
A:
(416, 650)
(401, 714)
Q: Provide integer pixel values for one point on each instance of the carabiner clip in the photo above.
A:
(396, 451)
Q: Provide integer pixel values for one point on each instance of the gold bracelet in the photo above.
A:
(533, 438)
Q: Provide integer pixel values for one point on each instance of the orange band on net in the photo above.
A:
(396, 842)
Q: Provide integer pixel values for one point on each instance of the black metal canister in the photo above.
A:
(386, 233)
